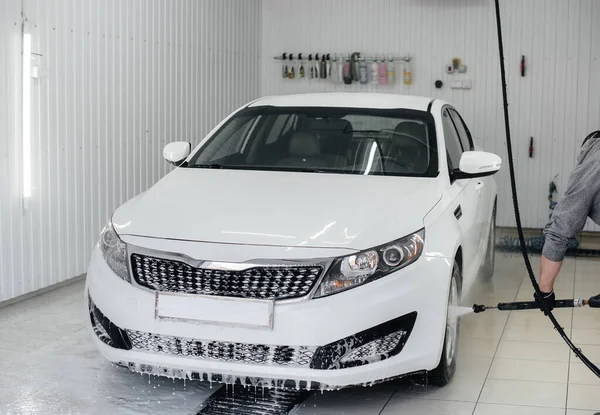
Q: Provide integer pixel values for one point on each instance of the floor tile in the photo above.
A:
(584, 397)
(592, 352)
(535, 318)
(586, 336)
(477, 330)
(510, 392)
(461, 388)
(355, 401)
(15, 338)
(473, 366)
(586, 318)
(402, 405)
(555, 352)
(529, 370)
(496, 409)
(515, 332)
(579, 373)
(477, 348)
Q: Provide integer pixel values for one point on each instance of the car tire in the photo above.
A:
(444, 372)
(487, 269)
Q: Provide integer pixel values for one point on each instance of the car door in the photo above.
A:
(482, 184)
(463, 194)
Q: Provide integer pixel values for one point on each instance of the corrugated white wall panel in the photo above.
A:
(120, 79)
(557, 103)
(11, 219)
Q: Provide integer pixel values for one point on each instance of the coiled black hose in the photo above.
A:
(536, 287)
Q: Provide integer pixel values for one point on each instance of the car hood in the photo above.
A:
(279, 208)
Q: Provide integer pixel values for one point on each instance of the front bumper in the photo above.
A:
(420, 290)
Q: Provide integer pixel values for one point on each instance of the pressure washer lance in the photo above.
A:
(593, 302)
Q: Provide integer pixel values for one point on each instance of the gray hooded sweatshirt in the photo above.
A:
(581, 200)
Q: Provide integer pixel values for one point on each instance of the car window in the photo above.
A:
(283, 123)
(463, 132)
(393, 142)
(453, 145)
(233, 138)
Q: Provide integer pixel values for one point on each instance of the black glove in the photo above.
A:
(549, 299)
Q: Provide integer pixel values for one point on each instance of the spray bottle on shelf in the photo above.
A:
(391, 72)
(323, 68)
(317, 64)
(363, 72)
(374, 71)
(334, 70)
(340, 70)
(284, 66)
(346, 75)
(382, 80)
(300, 66)
(328, 66)
(292, 70)
(310, 65)
(407, 73)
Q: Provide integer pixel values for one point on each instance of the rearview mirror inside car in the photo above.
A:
(176, 152)
(477, 164)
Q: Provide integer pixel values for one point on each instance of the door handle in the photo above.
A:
(458, 212)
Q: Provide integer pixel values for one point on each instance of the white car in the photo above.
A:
(309, 241)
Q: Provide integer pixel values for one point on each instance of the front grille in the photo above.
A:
(222, 351)
(265, 283)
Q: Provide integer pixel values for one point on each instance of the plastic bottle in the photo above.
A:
(328, 66)
(346, 70)
(333, 69)
(317, 64)
(311, 67)
(284, 66)
(292, 69)
(323, 68)
(383, 72)
(363, 72)
(374, 72)
(340, 70)
(300, 66)
(391, 72)
(407, 73)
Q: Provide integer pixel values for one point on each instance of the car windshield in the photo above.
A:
(324, 140)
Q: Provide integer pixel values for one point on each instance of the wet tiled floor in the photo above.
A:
(509, 363)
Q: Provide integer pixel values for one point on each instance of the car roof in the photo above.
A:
(346, 100)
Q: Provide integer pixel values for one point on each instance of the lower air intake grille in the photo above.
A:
(265, 283)
(222, 351)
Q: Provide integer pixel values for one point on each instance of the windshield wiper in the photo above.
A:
(206, 166)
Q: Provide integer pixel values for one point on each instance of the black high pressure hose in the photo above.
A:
(536, 287)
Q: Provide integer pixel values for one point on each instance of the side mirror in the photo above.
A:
(477, 164)
(176, 152)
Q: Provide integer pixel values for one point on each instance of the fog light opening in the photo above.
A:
(375, 350)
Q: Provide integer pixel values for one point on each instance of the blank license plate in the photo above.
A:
(223, 311)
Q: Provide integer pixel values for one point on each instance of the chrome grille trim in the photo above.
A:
(222, 351)
(265, 282)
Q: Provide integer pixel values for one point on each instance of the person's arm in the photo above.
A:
(548, 272)
(568, 218)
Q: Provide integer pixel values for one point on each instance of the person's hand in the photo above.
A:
(548, 298)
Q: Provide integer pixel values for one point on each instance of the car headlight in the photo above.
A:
(366, 266)
(114, 251)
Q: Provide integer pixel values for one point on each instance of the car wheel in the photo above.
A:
(444, 372)
(487, 270)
